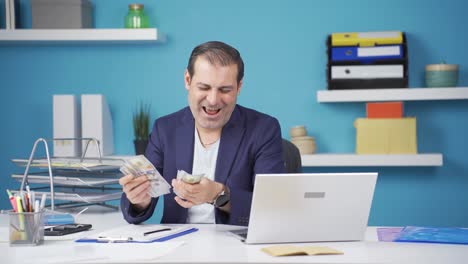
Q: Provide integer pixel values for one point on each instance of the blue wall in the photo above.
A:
(283, 45)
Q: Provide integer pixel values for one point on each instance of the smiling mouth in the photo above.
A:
(211, 111)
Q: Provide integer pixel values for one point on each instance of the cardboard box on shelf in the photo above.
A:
(54, 14)
(386, 136)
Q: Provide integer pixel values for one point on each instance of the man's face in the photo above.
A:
(212, 93)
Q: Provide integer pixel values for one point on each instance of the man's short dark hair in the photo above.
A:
(217, 53)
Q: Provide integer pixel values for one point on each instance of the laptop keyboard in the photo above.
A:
(241, 233)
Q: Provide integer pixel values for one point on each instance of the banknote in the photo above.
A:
(189, 178)
(140, 166)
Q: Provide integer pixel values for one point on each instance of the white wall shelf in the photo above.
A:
(36, 36)
(359, 160)
(400, 94)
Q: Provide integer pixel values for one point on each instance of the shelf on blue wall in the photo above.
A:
(397, 94)
(73, 36)
(361, 160)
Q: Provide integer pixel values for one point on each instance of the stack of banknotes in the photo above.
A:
(189, 178)
(140, 166)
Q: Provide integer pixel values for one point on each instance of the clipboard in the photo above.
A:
(161, 234)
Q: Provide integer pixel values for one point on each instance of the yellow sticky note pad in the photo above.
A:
(287, 250)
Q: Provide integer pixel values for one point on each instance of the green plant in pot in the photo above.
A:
(141, 128)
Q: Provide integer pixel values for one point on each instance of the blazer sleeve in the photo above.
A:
(267, 159)
(154, 155)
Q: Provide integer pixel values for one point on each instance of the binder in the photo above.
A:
(67, 124)
(355, 55)
(366, 55)
(445, 235)
(366, 39)
(7, 14)
(96, 123)
(367, 71)
(381, 83)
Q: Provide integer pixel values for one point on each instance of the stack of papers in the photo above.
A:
(73, 164)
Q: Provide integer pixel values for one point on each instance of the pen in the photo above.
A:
(43, 199)
(12, 201)
(23, 202)
(113, 239)
(19, 204)
(29, 200)
(21, 218)
(37, 207)
(156, 231)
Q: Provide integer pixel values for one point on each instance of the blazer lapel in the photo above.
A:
(231, 136)
(184, 142)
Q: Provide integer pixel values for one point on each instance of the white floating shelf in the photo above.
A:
(358, 160)
(81, 35)
(397, 94)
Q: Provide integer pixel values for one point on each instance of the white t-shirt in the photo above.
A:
(204, 162)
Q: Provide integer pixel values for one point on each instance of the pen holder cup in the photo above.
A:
(26, 229)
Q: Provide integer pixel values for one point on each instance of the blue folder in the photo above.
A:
(161, 239)
(447, 235)
(353, 54)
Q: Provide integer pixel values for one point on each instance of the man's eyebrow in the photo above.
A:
(203, 84)
(219, 88)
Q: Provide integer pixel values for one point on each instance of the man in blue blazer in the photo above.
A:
(214, 136)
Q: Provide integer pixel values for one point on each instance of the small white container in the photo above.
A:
(297, 131)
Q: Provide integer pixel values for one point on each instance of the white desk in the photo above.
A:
(211, 244)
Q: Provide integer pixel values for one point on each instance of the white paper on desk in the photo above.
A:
(136, 232)
(4, 234)
(96, 253)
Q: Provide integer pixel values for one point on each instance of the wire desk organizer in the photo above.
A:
(96, 175)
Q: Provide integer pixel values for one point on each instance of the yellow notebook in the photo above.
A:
(386, 136)
(366, 39)
(287, 250)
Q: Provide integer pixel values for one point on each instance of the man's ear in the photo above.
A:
(187, 79)
(239, 87)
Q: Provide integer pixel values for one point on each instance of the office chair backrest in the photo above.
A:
(291, 157)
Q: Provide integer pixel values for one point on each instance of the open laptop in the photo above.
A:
(309, 207)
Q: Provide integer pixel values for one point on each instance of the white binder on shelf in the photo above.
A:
(366, 71)
(67, 124)
(12, 14)
(96, 123)
(7, 14)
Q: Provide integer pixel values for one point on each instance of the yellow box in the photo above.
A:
(386, 136)
(366, 39)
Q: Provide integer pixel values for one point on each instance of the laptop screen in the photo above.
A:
(309, 207)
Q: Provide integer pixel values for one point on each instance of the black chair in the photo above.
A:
(291, 157)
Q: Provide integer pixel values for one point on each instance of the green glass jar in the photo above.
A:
(136, 17)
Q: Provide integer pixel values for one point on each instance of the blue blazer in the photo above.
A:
(250, 144)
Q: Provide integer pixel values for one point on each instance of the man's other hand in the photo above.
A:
(189, 195)
(137, 190)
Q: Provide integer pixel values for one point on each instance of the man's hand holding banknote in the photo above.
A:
(142, 181)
